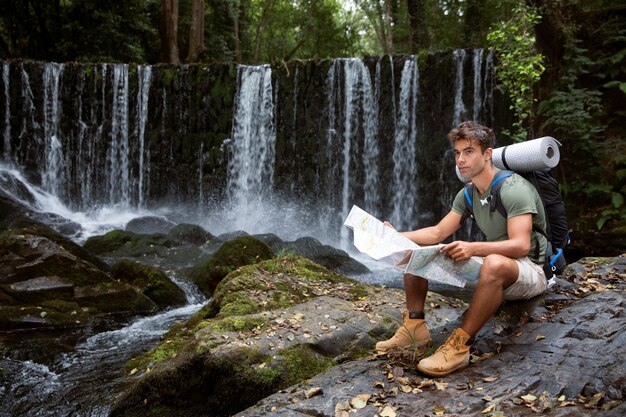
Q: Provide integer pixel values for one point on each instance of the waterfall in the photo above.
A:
(118, 164)
(459, 107)
(52, 175)
(144, 74)
(371, 152)
(7, 113)
(404, 152)
(488, 87)
(251, 166)
(478, 104)
(351, 95)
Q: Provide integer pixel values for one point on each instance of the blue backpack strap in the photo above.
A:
(496, 203)
(468, 192)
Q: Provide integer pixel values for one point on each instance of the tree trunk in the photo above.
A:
(196, 31)
(237, 34)
(417, 25)
(169, 34)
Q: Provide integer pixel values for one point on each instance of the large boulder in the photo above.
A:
(148, 225)
(152, 282)
(560, 355)
(122, 243)
(242, 250)
(268, 326)
(55, 283)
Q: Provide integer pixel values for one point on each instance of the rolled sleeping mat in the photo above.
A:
(532, 155)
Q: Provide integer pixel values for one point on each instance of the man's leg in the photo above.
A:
(497, 273)
(413, 330)
(415, 289)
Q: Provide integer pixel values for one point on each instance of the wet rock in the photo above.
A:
(328, 256)
(562, 356)
(189, 234)
(268, 326)
(43, 284)
(120, 243)
(152, 282)
(40, 289)
(148, 225)
(244, 250)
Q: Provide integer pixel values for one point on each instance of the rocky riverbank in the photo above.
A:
(559, 354)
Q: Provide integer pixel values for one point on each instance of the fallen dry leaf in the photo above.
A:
(490, 379)
(489, 409)
(360, 401)
(388, 412)
(439, 410)
(313, 392)
(539, 337)
(441, 385)
(529, 398)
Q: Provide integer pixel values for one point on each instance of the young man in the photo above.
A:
(513, 252)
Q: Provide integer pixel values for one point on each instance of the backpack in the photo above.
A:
(557, 232)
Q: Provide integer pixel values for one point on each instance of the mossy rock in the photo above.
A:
(277, 283)
(198, 362)
(123, 243)
(189, 234)
(8, 238)
(152, 282)
(243, 250)
(114, 297)
(149, 225)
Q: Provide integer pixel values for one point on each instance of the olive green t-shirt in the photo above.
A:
(518, 197)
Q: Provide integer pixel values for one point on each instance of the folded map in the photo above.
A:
(385, 244)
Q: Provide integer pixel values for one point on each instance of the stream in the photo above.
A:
(84, 379)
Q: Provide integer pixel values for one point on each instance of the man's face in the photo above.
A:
(469, 157)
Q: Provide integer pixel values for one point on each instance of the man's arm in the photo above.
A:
(436, 234)
(516, 246)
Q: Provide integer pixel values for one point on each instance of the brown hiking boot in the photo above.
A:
(412, 332)
(451, 356)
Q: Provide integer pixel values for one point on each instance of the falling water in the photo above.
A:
(144, 74)
(7, 113)
(251, 166)
(488, 88)
(477, 105)
(52, 176)
(404, 151)
(355, 100)
(371, 153)
(118, 152)
(459, 107)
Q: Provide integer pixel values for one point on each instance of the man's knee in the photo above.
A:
(498, 269)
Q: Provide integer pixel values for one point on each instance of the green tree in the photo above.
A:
(519, 66)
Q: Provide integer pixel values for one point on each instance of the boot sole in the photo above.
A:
(443, 373)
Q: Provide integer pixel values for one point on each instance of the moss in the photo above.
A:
(123, 243)
(167, 349)
(243, 250)
(236, 324)
(278, 283)
(595, 260)
(300, 363)
(152, 282)
(109, 242)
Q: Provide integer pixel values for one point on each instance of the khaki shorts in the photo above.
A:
(531, 281)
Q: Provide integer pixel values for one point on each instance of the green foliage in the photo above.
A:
(519, 66)
(572, 110)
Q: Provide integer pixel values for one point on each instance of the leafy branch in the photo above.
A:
(519, 66)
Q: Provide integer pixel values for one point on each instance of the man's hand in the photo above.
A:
(386, 223)
(458, 250)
